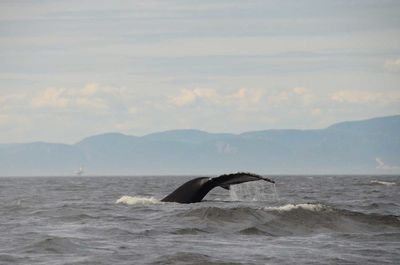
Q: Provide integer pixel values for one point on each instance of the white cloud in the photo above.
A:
(393, 65)
(243, 45)
(299, 90)
(90, 97)
(51, 97)
(4, 119)
(296, 95)
(185, 97)
(251, 62)
(360, 97)
(278, 98)
(241, 97)
(247, 95)
(133, 110)
(316, 112)
(189, 96)
(245, 100)
(91, 103)
(11, 101)
(89, 89)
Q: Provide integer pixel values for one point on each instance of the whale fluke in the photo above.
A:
(194, 190)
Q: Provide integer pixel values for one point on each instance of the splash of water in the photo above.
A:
(303, 206)
(233, 194)
(251, 191)
(386, 183)
(276, 195)
(130, 200)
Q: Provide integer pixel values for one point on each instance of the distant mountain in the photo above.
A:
(355, 147)
(390, 124)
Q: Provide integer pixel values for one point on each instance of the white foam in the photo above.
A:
(386, 183)
(130, 200)
(304, 206)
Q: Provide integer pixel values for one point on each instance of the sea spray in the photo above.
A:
(131, 200)
(250, 191)
(233, 194)
(379, 182)
(304, 206)
(276, 195)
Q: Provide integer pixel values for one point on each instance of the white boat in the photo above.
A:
(80, 171)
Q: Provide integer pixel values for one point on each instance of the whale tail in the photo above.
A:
(195, 189)
(226, 180)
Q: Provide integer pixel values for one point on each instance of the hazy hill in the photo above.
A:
(369, 146)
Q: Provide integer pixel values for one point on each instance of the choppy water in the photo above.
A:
(311, 220)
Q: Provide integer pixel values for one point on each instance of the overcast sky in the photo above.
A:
(70, 69)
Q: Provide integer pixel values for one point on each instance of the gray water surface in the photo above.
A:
(313, 220)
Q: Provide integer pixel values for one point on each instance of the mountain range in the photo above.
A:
(354, 147)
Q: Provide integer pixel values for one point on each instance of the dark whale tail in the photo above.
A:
(194, 190)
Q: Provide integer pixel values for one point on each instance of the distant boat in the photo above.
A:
(80, 171)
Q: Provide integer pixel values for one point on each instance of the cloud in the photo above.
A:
(247, 95)
(393, 65)
(261, 102)
(360, 97)
(240, 97)
(299, 90)
(11, 101)
(316, 112)
(89, 89)
(90, 97)
(4, 119)
(91, 103)
(214, 64)
(296, 95)
(306, 95)
(240, 45)
(51, 97)
(185, 97)
(189, 96)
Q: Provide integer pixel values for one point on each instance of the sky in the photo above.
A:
(71, 69)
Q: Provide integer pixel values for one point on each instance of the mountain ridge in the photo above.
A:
(353, 147)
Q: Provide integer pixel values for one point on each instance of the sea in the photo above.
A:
(121, 220)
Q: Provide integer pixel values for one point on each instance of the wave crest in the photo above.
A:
(303, 206)
(288, 220)
(131, 200)
(386, 183)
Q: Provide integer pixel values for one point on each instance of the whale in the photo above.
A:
(196, 189)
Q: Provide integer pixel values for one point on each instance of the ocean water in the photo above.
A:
(120, 220)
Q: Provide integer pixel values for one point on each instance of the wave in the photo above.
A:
(8, 259)
(188, 258)
(303, 206)
(379, 182)
(210, 212)
(289, 219)
(131, 200)
(54, 244)
(189, 231)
